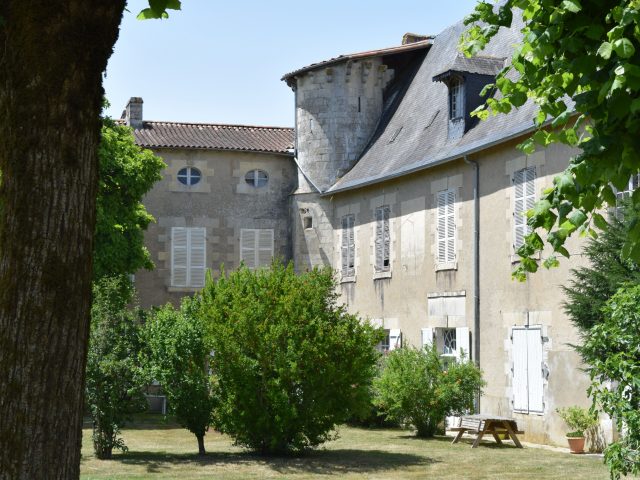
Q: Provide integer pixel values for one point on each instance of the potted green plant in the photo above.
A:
(579, 420)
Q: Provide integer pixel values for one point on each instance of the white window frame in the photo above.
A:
(256, 180)
(528, 369)
(253, 256)
(623, 195)
(446, 243)
(456, 99)
(348, 247)
(382, 240)
(524, 195)
(194, 273)
(190, 176)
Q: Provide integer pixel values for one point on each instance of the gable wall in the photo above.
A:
(223, 203)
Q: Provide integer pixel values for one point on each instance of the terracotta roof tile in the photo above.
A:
(214, 137)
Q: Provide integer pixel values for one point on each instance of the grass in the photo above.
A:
(167, 451)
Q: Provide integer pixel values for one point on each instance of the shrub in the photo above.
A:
(115, 379)
(578, 420)
(612, 350)
(178, 357)
(414, 388)
(289, 363)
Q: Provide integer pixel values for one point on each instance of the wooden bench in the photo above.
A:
(481, 424)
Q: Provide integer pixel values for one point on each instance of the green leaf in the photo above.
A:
(572, 6)
(599, 221)
(605, 50)
(624, 48)
(577, 217)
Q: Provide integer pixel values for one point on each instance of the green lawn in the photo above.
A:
(157, 451)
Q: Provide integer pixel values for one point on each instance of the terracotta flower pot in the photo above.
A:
(576, 444)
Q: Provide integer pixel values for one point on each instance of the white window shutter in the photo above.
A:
(520, 375)
(179, 257)
(395, 339)
(348, 246)
(427, 337)
(535, 374)
(197, 251)
(524, 199)
(379, 239)
(248, 247)
(446, 226)
(265, 247)
(462, 343)
(386, 239)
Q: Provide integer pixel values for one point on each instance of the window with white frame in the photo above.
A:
(449, 342)
(256, 178)
(446, 227)
(188, 256)
(624, 195)
(456, 99)
(189, 176)
(348, 252)
(528, 370)
(256, 247)
(392, 340)
(524, 199)
(382, 240)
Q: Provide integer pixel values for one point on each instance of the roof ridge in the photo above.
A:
(224, 125)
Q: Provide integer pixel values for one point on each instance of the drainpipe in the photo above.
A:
(476, 265)
(476, 257)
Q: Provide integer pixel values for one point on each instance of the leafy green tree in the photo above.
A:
(579, 61)
(179, 357)
(592, 286)
(289, 362)
(612, 350)
(53, 58)
(127, 172)
(415, 388)
(115, 378)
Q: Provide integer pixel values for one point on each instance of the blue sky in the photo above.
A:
(221, 61)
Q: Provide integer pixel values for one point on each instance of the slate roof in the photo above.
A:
(215, 137)
(414, 136)
(288, 77)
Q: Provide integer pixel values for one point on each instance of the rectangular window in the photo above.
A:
(382, 240)
(623, 195)
(525, 197)
(256, 247)
(446, 227)
(528, 372)
(188, 256)
(348, 246)
(392, 340)
(456, 108)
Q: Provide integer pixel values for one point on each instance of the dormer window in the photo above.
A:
(456, 99)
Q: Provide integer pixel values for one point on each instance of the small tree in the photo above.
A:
(415, 388)
(593, 285)
(289, 363)
(612, 349)
(178, 357)
(114, 377)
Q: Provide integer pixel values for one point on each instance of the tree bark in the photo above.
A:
(52, 56)
(201, 450)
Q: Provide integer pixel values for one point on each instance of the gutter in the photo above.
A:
(476, 264)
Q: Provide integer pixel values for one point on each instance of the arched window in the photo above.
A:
(189, 176)
(256, 178)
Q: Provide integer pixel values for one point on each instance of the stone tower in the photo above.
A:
(338, 104)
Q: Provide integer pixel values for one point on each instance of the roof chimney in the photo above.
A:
(414, 38)
(133, 113)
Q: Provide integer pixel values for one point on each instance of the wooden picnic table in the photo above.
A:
(482, 424)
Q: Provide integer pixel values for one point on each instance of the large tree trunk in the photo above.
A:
(52, 55)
